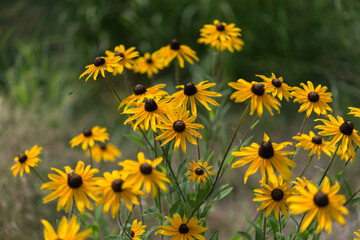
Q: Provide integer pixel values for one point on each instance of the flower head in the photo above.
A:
(126, 58)
(182, 229)
(276, 86)
(105, 152)
(136, 230)
(197, 173)
(77, 184)
(26, 160)
(354, 111)
(149, 64)
(100, 65)
(89, 136)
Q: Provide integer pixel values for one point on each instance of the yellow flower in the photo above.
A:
(114, 187)
(313, 99)
(197, 173)
(267, 156)
(104, 151)
(315, 143)
(257, 93)
(342, 130)
(274, 196)
(88, 137)
(149, 64)
(357, 233)
(26, 160)
(276, 86)
(143, 171)
(100, 65)
(221, 36)
(136, 230)
(126, 56)
(301, 183)
(354, 111)
(74, 184)
(179, 126)
(322, 204)
(191, 92)
(179, 51)
(182, 229)
(66, 231)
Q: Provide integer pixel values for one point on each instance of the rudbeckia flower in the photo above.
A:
(276, 86)
(357, 233)
(89, 136)
(26, 160)
(354, 111)
(149, 64)
(126, 58)
(197, 173)
(136, 230)
(100, 65)
(315, 143)
(105, 152)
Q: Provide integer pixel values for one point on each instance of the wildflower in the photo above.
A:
(301, 183)
(276, 86)
(114, 187)
(77, 184)
(257, 93)
(179, 51)
(322, 204)
(104, 151)
(197, 173)
(126, 56)
(179, 125)
(26, 160)
(357, 233)
(192, 92)
(182, 229)
(66, 231)
(267, 156)
(315, 143)
(221, 36)
(143, 171)
(312, 99)
(136, 230)
(100, 65)
(89, 136)
(149, 64)
(342, 130)
(274, 196)
(354, 111)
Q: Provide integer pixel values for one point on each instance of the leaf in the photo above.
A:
(223, 194)
(245, 234)
(258, 231)
(215, 236)
(148, 232)
(354, 200)
(202, 194)
(135, 139)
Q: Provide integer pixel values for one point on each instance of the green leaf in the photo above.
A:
(258, 231)
(215, 235)
(245, 234)
(348, 189)
(135, 139)
(148, 232)
(202, 194)
(354, 200)
(274, 224)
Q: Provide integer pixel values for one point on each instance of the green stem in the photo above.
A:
(341, 169)
(352, 196)
(280, 230)
(155, 149)
(198, 145)
(90, 154)
(159, 207)
(127, 220)
(331, 162)
(147, 140)
(112, 87)
(264, 228)
(141, 211)
(72, 208)
(308, 163)
(301, 131)
(299, 226)
(37, 174)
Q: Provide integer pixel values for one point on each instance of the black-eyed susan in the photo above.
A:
(191, 92)
(274, 195)
(26, 160)
(136, 230)
(196, 171)
(115, 187)
(179, 51)
(141, 93)
(179, 125)
(276, 86)
(322, 204)
(127, 57)
(149, 113)
(143, 172)
(222, 36)
(149, 64)
(315, 143)
(182, 229)
(100, 65)
(340, 129)
(104, 151)
(313, 99)
(301, 183)
(357, 233)
(77, 184)
(354, 111)
(257, 93)
(266, 156)
(89, 136)
(65, 231)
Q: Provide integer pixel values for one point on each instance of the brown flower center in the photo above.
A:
(132, 234)
(266, 150)
(175, 44)
(220, 27)
(317, 140)
(22, 157)
(74, 180)
(116, 185)
(99, 61)
(149, 61)
(276, 82)
(120, 54)
(87, 132)
(258, 89)
(313, 97)
(347, 128)
(150, 105)
(277, 194)
(321, 199)
(139, 89)
(102, 146)
(190, 89)
(199, 171)
(145, 168)
(183, 228)
(179, 126)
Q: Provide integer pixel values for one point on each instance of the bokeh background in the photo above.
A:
(45, 46)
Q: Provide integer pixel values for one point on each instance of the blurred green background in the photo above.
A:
(45, 46)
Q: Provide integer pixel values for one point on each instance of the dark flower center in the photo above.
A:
(99, 61)
(22, 157)
(175, 44)
(220, 27)
(145, 168)
(139, 89)
(179, 126)
(313, 97)
(199, 171)
(74, 180)
(317, 140)
(347, 128)
(266, 150)
(120, 54)
(150, 105)
(321, 199)
(258, 89)
(87, 132)
(132, 234)
(149, 60)
(277, 194)
(183, 228)
(189, 89)
(116, 185)
(102, 146)
(276, 82)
